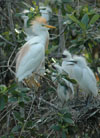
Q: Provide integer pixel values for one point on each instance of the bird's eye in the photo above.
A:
(74, 62)
(43, 25)
(64, 56)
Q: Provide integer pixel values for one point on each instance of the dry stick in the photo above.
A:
(29, 114)
(6, 40)
(11, 21)
(58, 34)
(92, 114)
(61, 38)
(50, 104)
(8, 111)
(13, 33)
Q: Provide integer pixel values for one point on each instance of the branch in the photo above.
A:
(11, 20)
(6, 40)
(61, 38)
(50, 104)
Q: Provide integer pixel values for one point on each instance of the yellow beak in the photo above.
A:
(49, 26)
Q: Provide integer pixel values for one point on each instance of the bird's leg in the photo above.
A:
(89, 99)
(27, 82)
(77, 94)
(34, 82)
(31, 82)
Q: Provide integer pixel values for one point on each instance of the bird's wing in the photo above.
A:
(30, 61)
(91, 74)
(23, 51)
(77, 73)
(89, 81)
(69, 85)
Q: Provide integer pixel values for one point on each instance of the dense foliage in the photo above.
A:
(26, 113)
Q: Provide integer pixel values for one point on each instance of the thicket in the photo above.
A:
(78, 30)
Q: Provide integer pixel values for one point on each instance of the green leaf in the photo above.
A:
(68, 120)
(85, 20)
(67, 115)
(64, 135)
(69, 8)
(12, 88)
(3, 101)
(12, 99)
(65, 1)
(3, 136)
(56, 127)
(94, 19)
(50, 50)
(16, 128)
(3, 89)
(18, 116)
(74, 19)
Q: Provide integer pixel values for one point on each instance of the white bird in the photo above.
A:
(65, 90)
(66, 56)
(83, 75)
(28, 30)
(46, 12)
(32, 54)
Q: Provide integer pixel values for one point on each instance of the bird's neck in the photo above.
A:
(43, 36)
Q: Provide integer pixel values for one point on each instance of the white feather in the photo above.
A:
(83, 75)
(66, 91)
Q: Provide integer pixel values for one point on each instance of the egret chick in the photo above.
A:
(84, 76)
(65, 91)
(46, 12)
(66, 56)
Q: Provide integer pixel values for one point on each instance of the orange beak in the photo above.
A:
(50, 26)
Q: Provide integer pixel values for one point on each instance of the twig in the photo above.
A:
(29, 114)
(61, 38)
(58, 34)
(93, 114)
(6, 40)
(11, 20)
(48, 103)
(13, 35)
(8, 112)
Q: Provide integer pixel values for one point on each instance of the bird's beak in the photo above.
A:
(64, 56)
(50, 26)
(71, 62)
(53, 66)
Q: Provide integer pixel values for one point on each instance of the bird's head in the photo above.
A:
(77, 60)
(66, 55)
(46, 12)
(40, 24)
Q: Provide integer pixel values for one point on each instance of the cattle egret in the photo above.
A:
(65, 91)
(83, 75)
(32, 54)
(45, 13)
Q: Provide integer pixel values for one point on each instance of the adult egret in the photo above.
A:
(65, 88)
(84, 76)
(32, 54)
(45, 13)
